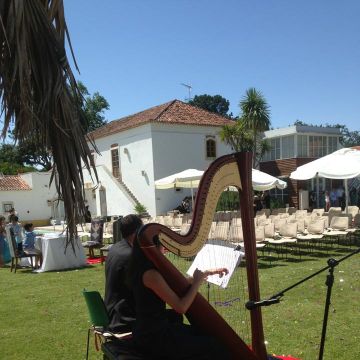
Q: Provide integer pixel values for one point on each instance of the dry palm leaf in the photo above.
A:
(38, 91)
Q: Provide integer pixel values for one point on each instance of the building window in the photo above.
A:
(332, 144)
(275, 149)
(302, 146)
(210, 148)
(274, 153)
(287, 147)
(7, 206)
(93, 156)
(115, 162)
(317, 146)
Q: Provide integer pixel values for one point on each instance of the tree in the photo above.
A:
(34, 154)
(237, 136)
(255, 114)
(215, 104)
(9, 153)
(93, 107)
(11, 161)
(32, 151)
(241, 138)
(348, 138)
(38, 91)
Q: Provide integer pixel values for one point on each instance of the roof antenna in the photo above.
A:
(189, 87)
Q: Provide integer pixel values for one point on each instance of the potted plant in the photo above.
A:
(141, 209)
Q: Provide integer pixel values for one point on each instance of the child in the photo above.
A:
(17, 230)
(2, 240)
(5, 256)
(29, 243)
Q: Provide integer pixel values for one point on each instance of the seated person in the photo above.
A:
(154, 334)
(17, 231)
(118, 296)
(29, 243)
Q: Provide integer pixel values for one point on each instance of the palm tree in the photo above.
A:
(256, 115)
(241, 138)
(237, 136)
(38, 92)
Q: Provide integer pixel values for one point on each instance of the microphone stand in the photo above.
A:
(329, 283)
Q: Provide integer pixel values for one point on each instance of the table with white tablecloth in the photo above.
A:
(55, 254)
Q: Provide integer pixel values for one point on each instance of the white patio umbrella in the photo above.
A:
(341, 164)
(190, 178)
(262, 181)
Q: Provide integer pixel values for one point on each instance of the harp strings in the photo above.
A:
(229, 302)
(224, 172)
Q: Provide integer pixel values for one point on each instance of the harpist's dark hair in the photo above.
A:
(130, 224)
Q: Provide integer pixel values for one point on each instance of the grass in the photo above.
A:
(44, 316)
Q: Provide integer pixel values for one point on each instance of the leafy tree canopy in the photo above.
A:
(30, 150)
(93, 107)
(215, 104)
(11, 161)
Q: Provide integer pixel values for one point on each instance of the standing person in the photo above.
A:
(154, 334)
(333, 197)
(327, 201)
(119, 299)
(267, 199)
(2, 241)
(340, 194)
(312, 199)
(12, 213)
(87, 216)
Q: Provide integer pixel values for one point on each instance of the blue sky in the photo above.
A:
(303, 55)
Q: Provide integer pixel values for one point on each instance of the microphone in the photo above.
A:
(254, 304)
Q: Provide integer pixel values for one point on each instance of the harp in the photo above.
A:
(229, 170)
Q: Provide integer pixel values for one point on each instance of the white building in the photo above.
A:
(139, 149)
(32, 198)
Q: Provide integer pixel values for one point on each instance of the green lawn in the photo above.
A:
(43, 316)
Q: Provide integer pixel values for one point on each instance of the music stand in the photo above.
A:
(275, 299)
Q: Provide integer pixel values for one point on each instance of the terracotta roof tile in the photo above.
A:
(13, 182)
(173, 112)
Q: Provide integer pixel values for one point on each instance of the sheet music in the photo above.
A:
(217, 254)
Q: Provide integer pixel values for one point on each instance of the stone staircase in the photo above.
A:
(123, 187)
(128, 191)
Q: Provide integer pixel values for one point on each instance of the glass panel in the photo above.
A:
(302, 144)
(287, 147)
(317, 146)
(332, 144)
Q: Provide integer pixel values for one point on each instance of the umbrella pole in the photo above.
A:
(317, 191)
(346, 195)
(192, 197)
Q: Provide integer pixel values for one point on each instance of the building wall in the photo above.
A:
(148, 153)
(136, 168)
(32, 205)
(177, 148)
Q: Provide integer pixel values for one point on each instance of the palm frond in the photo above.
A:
(38, 91)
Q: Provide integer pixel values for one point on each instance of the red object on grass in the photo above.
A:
(96, 260)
